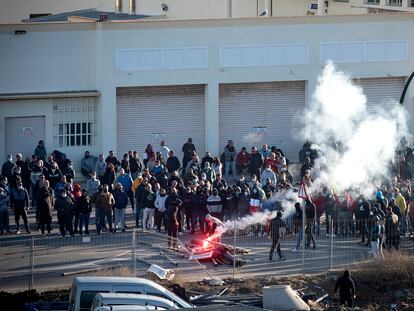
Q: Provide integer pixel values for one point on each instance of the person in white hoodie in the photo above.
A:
(268, 173)
(160, 209)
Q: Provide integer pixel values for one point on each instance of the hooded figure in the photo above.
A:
(346, 289)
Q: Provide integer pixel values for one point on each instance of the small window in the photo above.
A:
(39, 15)
(373, 1)
(86, 299)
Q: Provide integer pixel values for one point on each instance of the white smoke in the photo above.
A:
(367, 143)
(367, 140)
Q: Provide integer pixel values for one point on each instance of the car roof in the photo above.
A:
(113, 280)
(132, 297)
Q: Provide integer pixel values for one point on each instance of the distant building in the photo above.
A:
(16, 11)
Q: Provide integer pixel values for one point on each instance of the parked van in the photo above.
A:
(121, 299)
(128, 308)
(85, 288)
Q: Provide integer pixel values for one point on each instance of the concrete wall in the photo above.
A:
(42, 61)
(92, 53)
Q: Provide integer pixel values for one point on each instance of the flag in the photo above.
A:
(302, 191)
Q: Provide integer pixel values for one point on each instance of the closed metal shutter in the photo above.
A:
(145, 112)
(257, 113)
(23, 134)
(380, 92)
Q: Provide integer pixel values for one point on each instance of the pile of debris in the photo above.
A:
(216, 252)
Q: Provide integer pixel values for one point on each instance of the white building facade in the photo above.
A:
(120, 86)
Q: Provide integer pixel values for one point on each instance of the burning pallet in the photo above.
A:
(216, 252)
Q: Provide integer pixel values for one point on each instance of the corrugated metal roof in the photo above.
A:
(88, 13)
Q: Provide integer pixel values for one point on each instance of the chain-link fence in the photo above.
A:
(38, 262)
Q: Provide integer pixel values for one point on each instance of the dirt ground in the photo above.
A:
(380, 285)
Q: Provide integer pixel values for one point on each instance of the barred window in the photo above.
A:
(74, 121)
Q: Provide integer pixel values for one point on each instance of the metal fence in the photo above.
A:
(37, 262)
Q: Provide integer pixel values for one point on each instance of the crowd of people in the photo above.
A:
(175, 195)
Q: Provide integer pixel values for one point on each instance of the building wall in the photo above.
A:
(96, 66)
(60, 59)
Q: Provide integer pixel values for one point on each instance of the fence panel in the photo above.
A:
(15, 263)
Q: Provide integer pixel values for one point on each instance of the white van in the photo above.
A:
(128, 308)
(121, 299)
(85, 288)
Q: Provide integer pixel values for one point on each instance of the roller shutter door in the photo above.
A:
(380, 92)
(144, 114)
(22, 134)
(257, 113)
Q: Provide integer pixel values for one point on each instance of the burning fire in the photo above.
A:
(205, 243)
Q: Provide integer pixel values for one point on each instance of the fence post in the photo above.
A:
(303, 239)
(133, 252)
(331, 236)
(234, 248)
(31, 259)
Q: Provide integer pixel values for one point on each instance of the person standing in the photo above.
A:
(19, 202)
(375, 235)
(276, 224)
(7, 168)
(230, 160)
(298, 225)
(256, 162)
(172, 204)
(104, 201)
(84, 207)
(111, 158)
(173, 164)
(45, 203)
(121, 201)
(147, 204)
(214, 204)
(164, 150)
(40, 151)
(135, 165)
(87, 164)
(310, 213)
(92, 184)
(64, 205)
(188, 150)
(4, 211)
(100, 167)
(126, 181)
(346, 288)
(160, 209)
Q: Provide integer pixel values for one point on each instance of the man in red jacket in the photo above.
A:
(242, 161)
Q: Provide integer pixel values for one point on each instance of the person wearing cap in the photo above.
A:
(69, 171)
(277, 226)
(84, 207)
(40, 151)
(64, 205)
(100, 167)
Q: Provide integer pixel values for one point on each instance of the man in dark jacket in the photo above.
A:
(363, 208)
(173, 164)
(256, 162)
(111, 158)
(188, 151)
(135, 165)
(346, 289)
(19, 202)
(64, 205)
(45, 202)
(8, 167)
(276, 224)
(138, 207)
(172, 204)
(84, 208)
